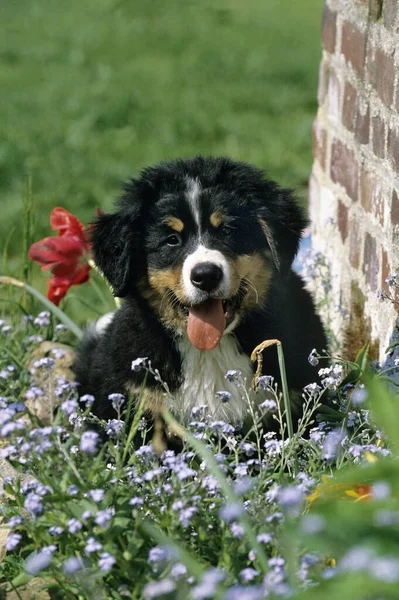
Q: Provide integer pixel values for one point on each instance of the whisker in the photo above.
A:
(251, 285)
(165, 296)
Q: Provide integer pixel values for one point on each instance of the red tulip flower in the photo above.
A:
(66, 255)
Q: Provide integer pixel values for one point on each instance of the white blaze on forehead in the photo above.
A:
(193, 195)
(201, 255)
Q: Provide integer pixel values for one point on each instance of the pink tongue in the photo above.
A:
(206, 323)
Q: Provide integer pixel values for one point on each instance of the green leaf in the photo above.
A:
(120, 525)
(330, 413)
(391, 347)
(353, 376)
(362, 357)
(21, 579)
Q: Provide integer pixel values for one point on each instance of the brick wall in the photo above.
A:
(354, 187)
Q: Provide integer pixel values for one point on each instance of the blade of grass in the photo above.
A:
(5, 249)
(28, 227)
(286, 396)
(61, 316)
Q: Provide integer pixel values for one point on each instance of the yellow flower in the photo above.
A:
(358, 492)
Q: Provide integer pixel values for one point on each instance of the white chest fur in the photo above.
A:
(203, 374)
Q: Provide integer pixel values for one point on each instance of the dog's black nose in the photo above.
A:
(206, 276)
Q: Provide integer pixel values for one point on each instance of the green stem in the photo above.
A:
(286, 395)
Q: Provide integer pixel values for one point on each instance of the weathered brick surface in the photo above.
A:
(323, 81)
(381, 74)
(344, 168)
(362, 129)
(329, 29)
(342, 220)
(357, 131)
(319, 143)
(395, 208)
(385, 271)
(349, 106)
(366, 189)
(371, 263)
(333, 96)
(355, 243)
(371, 195)
(379, 129)
(389, 13)
(393, 148)
(353, 46)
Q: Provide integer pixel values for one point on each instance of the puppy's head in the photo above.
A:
(199, 240)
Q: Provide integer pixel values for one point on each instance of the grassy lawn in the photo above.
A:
(92, 92)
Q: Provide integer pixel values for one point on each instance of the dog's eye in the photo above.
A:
(173, 240)
(226, 230)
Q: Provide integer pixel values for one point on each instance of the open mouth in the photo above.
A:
(208, 320)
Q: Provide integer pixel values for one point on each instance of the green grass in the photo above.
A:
(92, 92)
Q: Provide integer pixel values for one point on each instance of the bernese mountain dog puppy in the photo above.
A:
(201, 251)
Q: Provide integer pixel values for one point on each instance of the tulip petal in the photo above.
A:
(56, 291)
(66, 223)
(52, 251)
(66, 255)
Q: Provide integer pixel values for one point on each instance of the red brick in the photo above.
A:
(344, 168)
(378, 136)
(319, 143)
(362, 129)
(389, 12)
(355, 243)
(381, 74)
(349, 106)
(395, 208)
(371, 264)
(329, 29)
(342, 220)
(393, 148)
(371, 196)
(353, 46)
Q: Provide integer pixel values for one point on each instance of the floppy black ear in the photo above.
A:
(116, 249)
(282, 221)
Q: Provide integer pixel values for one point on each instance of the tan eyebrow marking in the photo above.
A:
(174, 223)
(217, 218)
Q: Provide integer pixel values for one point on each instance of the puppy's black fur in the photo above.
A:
(160, 221)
